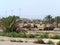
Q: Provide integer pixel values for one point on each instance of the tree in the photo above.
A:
(9, 23)
(52, 20)
(57, 20)
(48, 19)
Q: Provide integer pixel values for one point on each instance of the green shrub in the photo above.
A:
(2, 40)
(9, 23)
(2, 33)
(16, 40)
(13, 40)
(58, 43)
(23, 36)
(50, 42)
(19, 41)
(13, 34)
(54, 36)
(31, 36)
(57, 37)
(39, 41)
(44, 35)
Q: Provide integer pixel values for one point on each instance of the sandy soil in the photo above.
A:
(30, 40)
(15, 43)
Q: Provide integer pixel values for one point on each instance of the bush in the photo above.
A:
(13, 34)
(58, 43)
(31, 36)
(2, 40)
(16, 40)
(9, 23)
(39, 41)
(50, 42)
(44, 35)
(54, 36)
(19, 41)
(57, 37)
(13, 40)
(22, 35)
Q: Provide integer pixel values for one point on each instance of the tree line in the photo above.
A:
(9, 24)
(49, 19)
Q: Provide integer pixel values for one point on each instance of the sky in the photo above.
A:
(32, 9)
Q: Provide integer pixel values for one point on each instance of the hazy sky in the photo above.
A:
(30, 8)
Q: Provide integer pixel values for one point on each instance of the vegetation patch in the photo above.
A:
(13, 34)
(39, 41)
(23, 35)
(16, 40)
(50, 42)
(54, 36)
(44, 35)
(2, 40)
(31, 36)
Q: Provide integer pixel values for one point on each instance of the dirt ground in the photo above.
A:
(15, 43)
(30, 41)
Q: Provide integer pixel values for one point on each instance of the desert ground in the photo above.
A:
(14, 43)
(29, 41)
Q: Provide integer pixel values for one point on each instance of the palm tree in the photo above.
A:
(9, 23)
(57, 19)
(48, 19)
